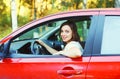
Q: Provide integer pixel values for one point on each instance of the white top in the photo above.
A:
(73, 44)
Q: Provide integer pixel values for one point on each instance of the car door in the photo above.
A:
(105, 60)
(28, 66)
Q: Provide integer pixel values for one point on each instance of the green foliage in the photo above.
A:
(110, 3)
(23, 20)
(2, 7)
(4, 16)
(105, 3)
(5, 21)
(5, 31)
(43, 8)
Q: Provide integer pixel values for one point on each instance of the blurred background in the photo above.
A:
(23, 11)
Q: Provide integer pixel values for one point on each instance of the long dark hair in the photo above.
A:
(72, 25)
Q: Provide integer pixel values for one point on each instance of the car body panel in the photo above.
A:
(31, 67)
(104, 67)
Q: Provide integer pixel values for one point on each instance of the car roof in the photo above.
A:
(107, 10)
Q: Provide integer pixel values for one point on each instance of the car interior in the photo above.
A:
(26, 43)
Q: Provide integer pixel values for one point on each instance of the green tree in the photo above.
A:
(5, 21)
(4, 14)
(106, 4)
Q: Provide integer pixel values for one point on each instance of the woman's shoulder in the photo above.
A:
(73, 42)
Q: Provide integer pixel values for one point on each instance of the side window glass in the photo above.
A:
(111, 38)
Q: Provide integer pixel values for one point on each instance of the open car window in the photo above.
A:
(50, 32)
(40, 31)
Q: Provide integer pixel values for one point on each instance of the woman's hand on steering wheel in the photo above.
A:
(37, 47)
(40, 42)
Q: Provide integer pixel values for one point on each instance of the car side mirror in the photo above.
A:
(1, 50)
(1, 47)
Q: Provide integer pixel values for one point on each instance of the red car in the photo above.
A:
(22, 58)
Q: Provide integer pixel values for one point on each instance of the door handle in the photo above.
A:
(69, 72)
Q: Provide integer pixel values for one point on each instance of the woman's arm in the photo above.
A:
(51, 50)
(73, 52)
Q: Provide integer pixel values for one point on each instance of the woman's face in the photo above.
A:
(66, 33)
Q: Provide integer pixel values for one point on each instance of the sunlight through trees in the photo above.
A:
(28, 10)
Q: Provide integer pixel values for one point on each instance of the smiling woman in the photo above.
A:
(70, 36)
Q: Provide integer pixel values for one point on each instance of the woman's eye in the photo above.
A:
(67, 31)
(61, 31)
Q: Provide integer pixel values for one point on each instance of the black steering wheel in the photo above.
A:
(38, 49)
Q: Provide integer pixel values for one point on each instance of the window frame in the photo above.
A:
(89, 44)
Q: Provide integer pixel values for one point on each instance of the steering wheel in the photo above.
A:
(38, 49)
